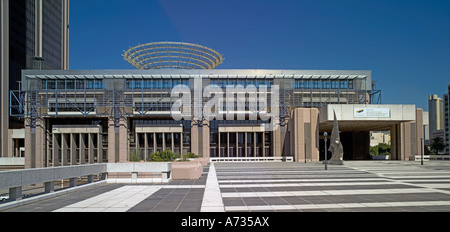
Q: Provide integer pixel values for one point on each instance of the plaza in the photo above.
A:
(356, 186)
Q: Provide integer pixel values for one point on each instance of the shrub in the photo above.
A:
(188, 156)
(166, 155)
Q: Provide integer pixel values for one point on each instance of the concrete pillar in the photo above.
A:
(145, 146)
(35, 143)
(90, 178)
(99, 148)
(303, 130)
(15, 193)
(276, 139)
(82, 148)
(172, 142)
(73, 182)
(194, 137)
(91, 148)
(245, 144)
(205, 137)
(64, 149)
(111, 141)
(56, 149)
(49, 187)
(73, 149)
(123, 140)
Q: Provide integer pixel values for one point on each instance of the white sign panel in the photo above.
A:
(371, 112)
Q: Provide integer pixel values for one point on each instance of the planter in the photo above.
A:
(380, 157)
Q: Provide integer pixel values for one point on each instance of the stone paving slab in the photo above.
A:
(356, 186)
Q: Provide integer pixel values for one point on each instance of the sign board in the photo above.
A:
(371, 112)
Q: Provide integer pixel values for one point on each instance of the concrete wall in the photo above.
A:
(302, 136)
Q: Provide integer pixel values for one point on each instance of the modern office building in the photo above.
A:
(447, 121)
(76, 116)
(435, 114)
(34, 35)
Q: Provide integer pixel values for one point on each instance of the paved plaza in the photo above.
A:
(356, 186)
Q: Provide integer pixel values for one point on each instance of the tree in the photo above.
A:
(437, 144)
(380, 149)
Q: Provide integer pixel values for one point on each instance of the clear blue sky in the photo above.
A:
(406, 43)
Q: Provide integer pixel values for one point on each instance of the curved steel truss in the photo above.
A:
(172, 55)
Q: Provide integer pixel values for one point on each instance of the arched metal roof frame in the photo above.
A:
(181, 50)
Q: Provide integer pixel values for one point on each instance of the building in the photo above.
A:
(377, 137)
(76, 116)
(34, 35)
(435, 114)
(426, 128)
(447, 121)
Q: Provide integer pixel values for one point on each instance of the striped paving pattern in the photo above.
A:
(355, 186)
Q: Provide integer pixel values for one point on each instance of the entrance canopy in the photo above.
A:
(365, 117)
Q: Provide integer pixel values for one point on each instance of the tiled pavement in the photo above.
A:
(356, 186)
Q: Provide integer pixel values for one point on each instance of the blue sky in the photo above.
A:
(406, 43)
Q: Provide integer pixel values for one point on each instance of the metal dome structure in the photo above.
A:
(172, 55)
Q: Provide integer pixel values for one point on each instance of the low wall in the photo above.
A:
(146, 172)
(139, 172)
(16, 179)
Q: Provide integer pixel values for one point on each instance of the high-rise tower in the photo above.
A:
(34, 35)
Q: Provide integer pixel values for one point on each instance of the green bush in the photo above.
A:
(380, 149)
(188, 156)
(166, 155)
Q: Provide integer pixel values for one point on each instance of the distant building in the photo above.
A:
(377, 137)
(435, 113)
(426, 128)
(447, 121)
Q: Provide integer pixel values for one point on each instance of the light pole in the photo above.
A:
(421, 151)
(325, 135)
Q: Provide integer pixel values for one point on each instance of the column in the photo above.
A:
(64, 149)
(123, 140)
(56, 149)
(254, 145)
(264, 144)
(111, 141)
(145, 146)
(82, 148)
(194, 138)
(73, 149)
(91, 148)
(99, 148)
(171, 140)
(206, 141)
(245, 144)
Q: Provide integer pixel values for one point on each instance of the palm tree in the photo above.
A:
(437, 144)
